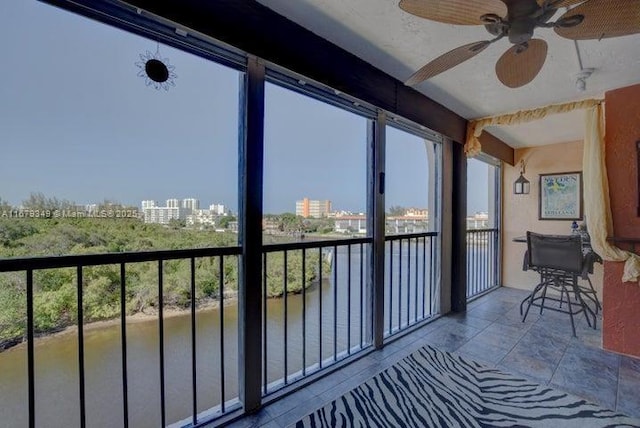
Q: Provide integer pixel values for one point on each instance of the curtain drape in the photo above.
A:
(472, 146)
(596, 196)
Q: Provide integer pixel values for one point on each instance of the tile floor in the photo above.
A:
(491, 332)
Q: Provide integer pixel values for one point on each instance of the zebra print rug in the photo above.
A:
(431, 388)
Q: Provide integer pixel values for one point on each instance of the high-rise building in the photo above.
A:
(148, 204)
(164, 215)
(191, 203)
(302, 207)
(187, 209)
(217, 209)
(313, 208)
(154, 214)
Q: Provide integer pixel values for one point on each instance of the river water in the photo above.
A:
(57, 403)
(56, 368)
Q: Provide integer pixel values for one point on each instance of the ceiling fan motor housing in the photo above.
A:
(521, 30)
(521, 18)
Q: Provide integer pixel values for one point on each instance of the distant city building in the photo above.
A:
(313, 208)
(357, 224)
(218, 209)
(187, 209)
(414, 220)
(417, 212)
(151, 213)
(208, 217)
(334, 214)
(163, 215)
(351, 224)
(190, 203)
(479, 220)
(201, 218)
(407, 224)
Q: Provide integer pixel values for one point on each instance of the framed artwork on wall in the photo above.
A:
(560, 196)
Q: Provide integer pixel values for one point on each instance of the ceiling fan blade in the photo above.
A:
(461, 12)
(560, 3)
(517, 67)
(603, 19)
(446, 61)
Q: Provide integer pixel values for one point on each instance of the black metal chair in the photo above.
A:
(559, 261)
(588, 291)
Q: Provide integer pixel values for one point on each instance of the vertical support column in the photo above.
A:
(495, 214)
(250, 173)
(446, 227)
(492, 186)
(434, 156)
(459, 230)
(376, 222)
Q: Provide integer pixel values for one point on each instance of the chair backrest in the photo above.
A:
(563, 252)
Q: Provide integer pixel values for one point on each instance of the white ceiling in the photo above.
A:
(379, 32)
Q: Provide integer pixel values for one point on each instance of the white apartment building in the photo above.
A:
(351, 224)
(152, 213)
(148, 204)
(414, 220)
(163, 215)
(394, 225)
(187, 209)
(218, 209)
(417, 212)
(191, 203)
(479, 220)
(406, 224)
(202, 218)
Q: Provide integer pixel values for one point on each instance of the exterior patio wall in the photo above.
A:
(520, 212)
(621, 325)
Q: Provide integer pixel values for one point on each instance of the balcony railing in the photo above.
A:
(410, 280)
(482, 261)
(324, 322)
(183, 399)
(315, 314)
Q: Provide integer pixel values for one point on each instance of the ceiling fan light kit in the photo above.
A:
(517, 21)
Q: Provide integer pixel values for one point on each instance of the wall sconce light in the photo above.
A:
(521, 185)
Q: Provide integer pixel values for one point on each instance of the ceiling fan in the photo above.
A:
(517, 20)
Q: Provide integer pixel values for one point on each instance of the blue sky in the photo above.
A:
(77, 123)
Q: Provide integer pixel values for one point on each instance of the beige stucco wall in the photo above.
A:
(520, 212)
